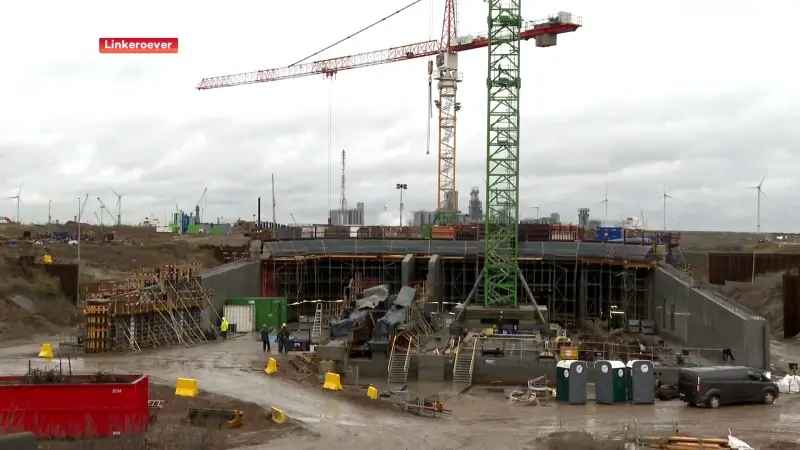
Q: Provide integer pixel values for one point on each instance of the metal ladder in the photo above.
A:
(399, 361)
(316, 329)
(464, 364)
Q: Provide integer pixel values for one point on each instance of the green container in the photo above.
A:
(270, 311)
(426, 231)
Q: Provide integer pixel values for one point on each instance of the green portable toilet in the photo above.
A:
(641, 382)
(571, 381)
(610, 382)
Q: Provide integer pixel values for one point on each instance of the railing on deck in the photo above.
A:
(519, 350)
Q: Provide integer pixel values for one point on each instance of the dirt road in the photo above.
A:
(478, 421)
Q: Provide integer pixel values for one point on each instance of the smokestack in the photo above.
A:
(259, 209)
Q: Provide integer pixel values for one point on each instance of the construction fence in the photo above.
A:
(724, 267)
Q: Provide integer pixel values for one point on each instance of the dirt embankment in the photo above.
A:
(764, 297)
(31, 303)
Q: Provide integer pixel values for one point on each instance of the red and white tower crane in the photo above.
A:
(445, 50)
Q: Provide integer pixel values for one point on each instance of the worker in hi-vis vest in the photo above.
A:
(223, 328)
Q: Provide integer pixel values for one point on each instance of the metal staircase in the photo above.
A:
(316, 329)
(399, 361)
(464, 363)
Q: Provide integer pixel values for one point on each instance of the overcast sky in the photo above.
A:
(698, 98)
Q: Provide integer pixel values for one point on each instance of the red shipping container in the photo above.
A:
(78, 409)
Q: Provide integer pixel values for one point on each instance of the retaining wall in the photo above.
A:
(685, 312)
(236, 279)
(486, 370)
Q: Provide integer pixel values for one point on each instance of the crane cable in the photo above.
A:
(357, 32)
(430, 81)
(330, 139)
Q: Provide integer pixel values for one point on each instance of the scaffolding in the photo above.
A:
(575, 281)
(157, 308)
(329, 278)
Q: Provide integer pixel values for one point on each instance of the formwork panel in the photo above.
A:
(160, 307)
(791, 305)
(724, 267)
(84, 406)
(699, 318)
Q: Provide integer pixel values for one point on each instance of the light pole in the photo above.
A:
(401, 187)
(79, 233)
(78, 281)
(49, 216)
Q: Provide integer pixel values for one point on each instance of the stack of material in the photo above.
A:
(692, 443)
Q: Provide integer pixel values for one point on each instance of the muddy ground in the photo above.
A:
(170, 428)
(479, 419)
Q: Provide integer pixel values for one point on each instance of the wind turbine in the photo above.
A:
(18, 199)
(605, 202)
(118, 207)
(665, 197)
(759, 193)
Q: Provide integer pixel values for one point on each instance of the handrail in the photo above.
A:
(391, 355)
(408, 355)
(695, 285)
(455, 357)
(472, 361)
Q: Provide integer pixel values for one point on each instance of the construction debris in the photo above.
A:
(531, 395)
(232, 418)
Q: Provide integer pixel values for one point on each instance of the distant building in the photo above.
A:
(475, 213)
(353, 216)
(423, 218)
(583, 217)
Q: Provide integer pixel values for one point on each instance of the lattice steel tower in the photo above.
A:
(502, 154)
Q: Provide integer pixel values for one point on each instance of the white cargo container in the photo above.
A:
(243, 316)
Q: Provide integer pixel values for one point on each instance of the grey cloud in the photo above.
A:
(722, 142)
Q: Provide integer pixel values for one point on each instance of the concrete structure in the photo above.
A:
(353, 216)
(487, 369)
(693, 316)
(572, 280)
(236, 279)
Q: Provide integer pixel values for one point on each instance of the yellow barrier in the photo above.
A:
(372, 393)
(333, 382)
(272, 366)
(278, 416)
(186, 387)
(46, 351)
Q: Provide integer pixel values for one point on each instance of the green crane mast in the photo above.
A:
(502, 154)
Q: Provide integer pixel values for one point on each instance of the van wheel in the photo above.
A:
(769, 398)
(713, 402)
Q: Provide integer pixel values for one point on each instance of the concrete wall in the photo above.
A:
(236, 279)
(486, 370)
(685, 312)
